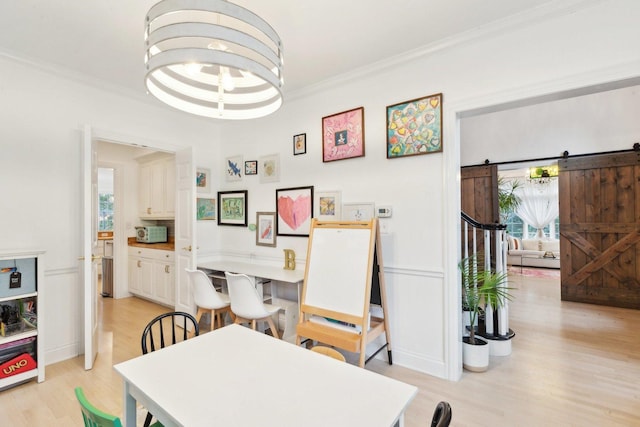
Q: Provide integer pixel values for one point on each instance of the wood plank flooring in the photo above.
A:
(572, 364)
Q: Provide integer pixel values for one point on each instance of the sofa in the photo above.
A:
(533, 252)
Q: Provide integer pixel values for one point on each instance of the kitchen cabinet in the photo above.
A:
(21, 340)
(152, 275)
(157, 178)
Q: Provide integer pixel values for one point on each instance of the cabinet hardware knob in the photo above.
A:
(139, 263)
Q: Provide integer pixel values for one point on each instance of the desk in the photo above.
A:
(259, 271)
(234, 376)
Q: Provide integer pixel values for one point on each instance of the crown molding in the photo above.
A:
(552, 9)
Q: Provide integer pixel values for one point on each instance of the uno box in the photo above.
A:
(27, 269)
(17, 357)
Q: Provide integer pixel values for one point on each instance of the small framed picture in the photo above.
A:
(233, 168)
(294, 210)
(270, 168)
(328, 205)
(206, 209)
(203, 180)
(343, 135)
(251, 167)
(266, 229)
(299, 144)
(232, 208)
(358, 211)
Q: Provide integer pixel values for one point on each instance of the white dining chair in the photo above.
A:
(207, 299)
(246, 303)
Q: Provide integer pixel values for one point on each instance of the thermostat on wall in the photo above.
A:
(384, 212)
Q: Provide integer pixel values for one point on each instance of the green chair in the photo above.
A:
(94, 417)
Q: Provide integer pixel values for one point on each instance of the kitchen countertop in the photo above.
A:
(168, 246)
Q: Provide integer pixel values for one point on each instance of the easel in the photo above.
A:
(341, 261)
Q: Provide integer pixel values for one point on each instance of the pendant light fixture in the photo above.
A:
(213, 58)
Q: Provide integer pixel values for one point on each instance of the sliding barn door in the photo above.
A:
(600, 229)
(479, 198)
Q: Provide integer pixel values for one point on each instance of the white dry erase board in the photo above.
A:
(338, 269)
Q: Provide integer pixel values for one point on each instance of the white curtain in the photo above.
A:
(539, 205)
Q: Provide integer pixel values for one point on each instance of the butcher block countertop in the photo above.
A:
(168, 246)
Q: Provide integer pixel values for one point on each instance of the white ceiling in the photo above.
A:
(103, 39)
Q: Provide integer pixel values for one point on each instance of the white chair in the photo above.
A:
(247, 304)
(207, 298)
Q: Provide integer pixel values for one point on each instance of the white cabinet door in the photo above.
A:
(164, 282)
(134, 281)
(157, 196)
(144, 190)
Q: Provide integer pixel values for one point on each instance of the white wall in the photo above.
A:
(42, 114)
(603, 121)
(42, 117)
(420, 251)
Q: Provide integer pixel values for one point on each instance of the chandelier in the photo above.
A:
(542, 175)
(213, 58)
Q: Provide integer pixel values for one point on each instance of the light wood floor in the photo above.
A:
(572, 364)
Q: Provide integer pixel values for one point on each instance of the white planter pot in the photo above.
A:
(475, 357)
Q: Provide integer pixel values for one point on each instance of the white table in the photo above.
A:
(234, 376)
(267, 272)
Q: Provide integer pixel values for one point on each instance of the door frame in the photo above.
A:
(121, 139)
(591, 82)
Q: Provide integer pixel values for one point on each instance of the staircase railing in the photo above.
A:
(491, 241)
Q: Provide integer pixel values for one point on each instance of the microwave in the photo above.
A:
(151, 234)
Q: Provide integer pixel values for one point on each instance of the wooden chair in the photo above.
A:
(328, 351)
(163, 331)
(441, 415)
(94, 417)
(208, 299)
(246, 303)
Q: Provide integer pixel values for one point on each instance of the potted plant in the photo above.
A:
(480, 287)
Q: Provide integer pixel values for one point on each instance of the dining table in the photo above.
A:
(235, 376)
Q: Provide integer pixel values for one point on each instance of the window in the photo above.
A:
(105, 199)
(105, 212)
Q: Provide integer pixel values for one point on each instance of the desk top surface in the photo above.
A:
(234, 376)
(257, 270)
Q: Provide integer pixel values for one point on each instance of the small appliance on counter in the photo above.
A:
(151, 234)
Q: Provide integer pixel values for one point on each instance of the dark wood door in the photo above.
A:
(600, 229)
(479, 199)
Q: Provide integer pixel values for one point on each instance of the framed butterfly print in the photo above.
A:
(328, 205)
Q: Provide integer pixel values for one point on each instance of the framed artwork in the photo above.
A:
(251, 167)
(358, 211)
(299, 144)
(232, 208)
(206, 209)
(270, 168)
(415, 127)
(266, 229)
(328, 205)
(233, 168)
(294, 210)
(343, 135)
(203, 180)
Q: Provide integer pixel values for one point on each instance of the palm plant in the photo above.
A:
(508, 200)
(481, 287)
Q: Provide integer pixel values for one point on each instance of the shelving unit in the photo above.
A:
(21, 349)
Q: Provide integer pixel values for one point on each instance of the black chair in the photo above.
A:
(164, 331)
(442, 415)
